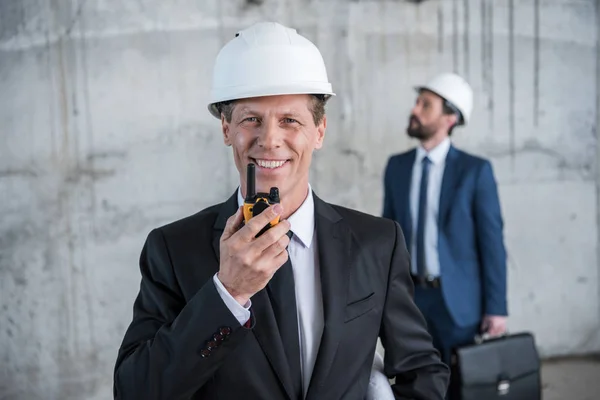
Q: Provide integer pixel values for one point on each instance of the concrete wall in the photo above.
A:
(105, 135)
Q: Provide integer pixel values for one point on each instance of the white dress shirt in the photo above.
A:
(303, 253)
(437, 155)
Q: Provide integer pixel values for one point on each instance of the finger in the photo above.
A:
(497, 328)
(232, 224)
(275, 248)
(271, 236)
(485, 326)
(251, 229)
(279, 260)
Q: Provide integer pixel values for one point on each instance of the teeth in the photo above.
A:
(270, 164)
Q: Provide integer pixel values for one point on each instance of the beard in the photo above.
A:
(417, 130)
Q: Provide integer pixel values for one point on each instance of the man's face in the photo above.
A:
(278, 135)
(427, 117)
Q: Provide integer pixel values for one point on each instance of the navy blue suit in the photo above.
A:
(470, 244)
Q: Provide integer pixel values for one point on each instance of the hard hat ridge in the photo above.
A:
(267, 59)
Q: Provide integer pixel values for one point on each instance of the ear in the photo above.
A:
(225, 127)
(321, 128)
(451, 120)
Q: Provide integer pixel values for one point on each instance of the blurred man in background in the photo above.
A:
(294, 313)
(446, 201)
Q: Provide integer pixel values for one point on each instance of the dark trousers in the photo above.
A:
(445, 333)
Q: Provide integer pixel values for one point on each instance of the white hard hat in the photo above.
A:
(455, 90)
(267, 59)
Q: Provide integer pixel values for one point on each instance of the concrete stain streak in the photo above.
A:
(466, 54)
(440, 30)
(536, 62)
(78, 173)
(484, 48)
(563, 163)
(87, 277)
(51, 91)
(511, 76)
(19, 172)
(75, 17)
(455, 35)
(221, 39)
(64, 109)
(490, 60)
(105, 155)
(67, 91)
(597, 127)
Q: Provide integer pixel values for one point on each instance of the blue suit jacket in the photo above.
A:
(470, 243)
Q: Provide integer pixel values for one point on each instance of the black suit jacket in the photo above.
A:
(184, 343)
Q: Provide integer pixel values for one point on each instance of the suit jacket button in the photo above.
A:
(217, 337)
(205, 353)
(225, 331)
(211, 345)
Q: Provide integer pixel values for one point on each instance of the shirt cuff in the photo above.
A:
(241, 313)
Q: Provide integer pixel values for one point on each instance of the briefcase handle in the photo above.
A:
(486, 336)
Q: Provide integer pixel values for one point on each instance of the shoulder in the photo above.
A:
(400, 157)
(472, 160)
(368, 227)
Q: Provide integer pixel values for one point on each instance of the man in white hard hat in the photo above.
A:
(446, 201)
(294, 312)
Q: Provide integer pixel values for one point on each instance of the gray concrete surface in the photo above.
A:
(105, 135)
(573, 379)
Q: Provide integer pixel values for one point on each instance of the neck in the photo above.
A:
(433, 142)
(291, 202)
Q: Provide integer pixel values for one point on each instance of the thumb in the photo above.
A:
(232, 224)
(485, 325)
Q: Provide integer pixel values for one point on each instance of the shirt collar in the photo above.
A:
(438, 154)
(302, 221)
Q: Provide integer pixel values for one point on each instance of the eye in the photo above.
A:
(251, 119)
(289, 121)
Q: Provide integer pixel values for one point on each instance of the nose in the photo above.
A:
(415, 110)
(270, 135)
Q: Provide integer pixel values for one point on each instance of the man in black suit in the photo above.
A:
(295, 312)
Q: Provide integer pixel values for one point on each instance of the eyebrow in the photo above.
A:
(285, 114)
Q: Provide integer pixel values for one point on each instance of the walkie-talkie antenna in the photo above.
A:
(250, 182)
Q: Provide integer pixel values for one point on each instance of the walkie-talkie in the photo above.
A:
(255, 203)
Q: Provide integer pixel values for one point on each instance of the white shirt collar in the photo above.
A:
(437, 155)
(302, 221)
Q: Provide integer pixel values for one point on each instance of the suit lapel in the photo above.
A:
(265, 328)
(404, 182)
(334, 246)
(452, 173)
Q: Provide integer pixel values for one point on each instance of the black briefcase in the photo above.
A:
(500, 368)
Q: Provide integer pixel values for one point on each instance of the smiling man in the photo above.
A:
(294, 313)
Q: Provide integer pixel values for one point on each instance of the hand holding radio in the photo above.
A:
(251, 255)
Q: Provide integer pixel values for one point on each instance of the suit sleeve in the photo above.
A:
(490, 242)
(409, 353)
(388, 209)
(172, 347)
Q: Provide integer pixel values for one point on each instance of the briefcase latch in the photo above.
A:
(503, 387)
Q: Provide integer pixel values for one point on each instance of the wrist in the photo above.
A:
(237, 296)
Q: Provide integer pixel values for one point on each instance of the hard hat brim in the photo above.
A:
(247, 93)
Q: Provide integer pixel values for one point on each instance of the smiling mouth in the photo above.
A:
(269, 164)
